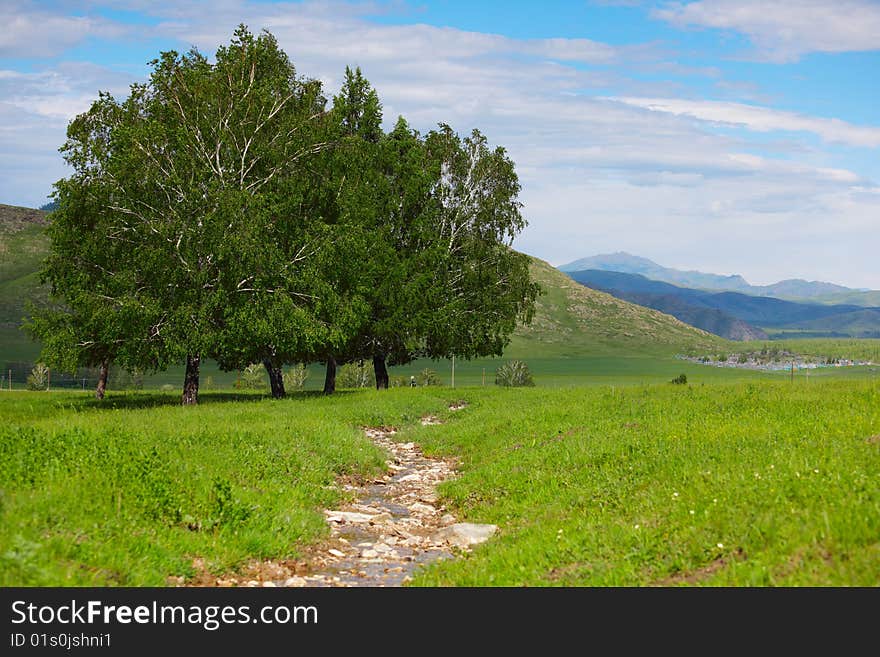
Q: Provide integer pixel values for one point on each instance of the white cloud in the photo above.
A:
(29, 159)
(762, 119)
(766, 230)
(784, 30)
(38, 33)
(582, 50)
(61, 92)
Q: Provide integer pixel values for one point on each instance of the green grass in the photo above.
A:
(621, 369)
(131, 491)
(590, 485)
(575, 321)
(748, 484)
(23, 245)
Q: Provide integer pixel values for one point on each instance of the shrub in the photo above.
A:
(515, 374)
(253, 377)
(38, 379)
(681, 379)
(356, 375)
(295, 377)
(428, 377)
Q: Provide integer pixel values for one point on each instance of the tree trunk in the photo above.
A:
(276, 379)
(330, 378)
(102, 380)
(381, 371)
(191, 381)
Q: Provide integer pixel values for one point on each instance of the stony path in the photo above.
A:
(395, 526)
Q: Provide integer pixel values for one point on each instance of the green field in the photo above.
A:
(604, 474)
(23, 245)
(754, 483)
(130, 491)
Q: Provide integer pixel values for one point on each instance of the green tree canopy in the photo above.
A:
(223, 211)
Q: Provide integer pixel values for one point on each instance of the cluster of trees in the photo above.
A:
(228, 210)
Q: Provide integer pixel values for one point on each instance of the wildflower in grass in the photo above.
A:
(720, 545)
(816, 471)
(675, 495)
(636, 526)
(714, 500)
(692, 512)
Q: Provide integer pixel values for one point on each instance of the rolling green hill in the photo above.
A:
(573, 320)
(23, 245)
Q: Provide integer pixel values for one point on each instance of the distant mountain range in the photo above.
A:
(793, 289)
(735, 315)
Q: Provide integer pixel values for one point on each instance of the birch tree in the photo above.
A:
(482, 289)
(196, 167)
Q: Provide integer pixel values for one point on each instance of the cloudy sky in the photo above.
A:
(731, 136)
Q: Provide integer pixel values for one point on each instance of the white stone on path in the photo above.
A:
(418, 507)
(348, 516)
(465, 534)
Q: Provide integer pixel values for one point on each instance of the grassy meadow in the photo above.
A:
(743, 484)
(758, 482)
(130, 491)
(604, 474)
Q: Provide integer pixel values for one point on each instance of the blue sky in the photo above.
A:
(734, 136)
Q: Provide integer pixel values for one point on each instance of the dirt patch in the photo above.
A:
(704, 573)
(800, 558)
(564, 572)
(873, 440)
